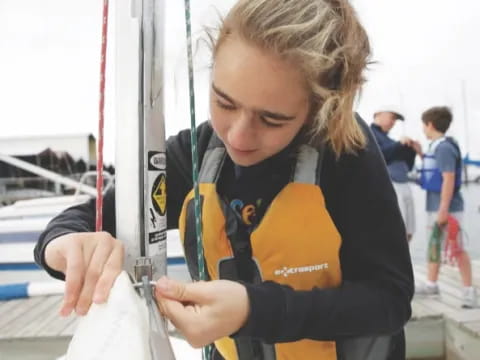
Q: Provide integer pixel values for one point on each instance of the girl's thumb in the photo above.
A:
(171, 289)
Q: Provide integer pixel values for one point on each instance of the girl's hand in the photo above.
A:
(203, 311)
(91, 262)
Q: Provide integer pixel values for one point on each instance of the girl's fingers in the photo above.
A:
(112, 268)
(101, 252)
(187, 319)
(74, 275)
(196, 292)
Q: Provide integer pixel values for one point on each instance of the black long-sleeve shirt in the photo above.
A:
(377, 287)
(399, 158)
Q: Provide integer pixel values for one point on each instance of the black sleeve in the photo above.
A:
(81, 218)
(377, 287)
(409, 158)
(391, 151)
(396, 151)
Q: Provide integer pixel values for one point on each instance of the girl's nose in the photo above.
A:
(242, 134)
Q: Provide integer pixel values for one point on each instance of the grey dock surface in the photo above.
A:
(31, 329)
(439, 327)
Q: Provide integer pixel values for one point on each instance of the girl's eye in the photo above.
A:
(263, 119)
(225, 106)
(269, 123)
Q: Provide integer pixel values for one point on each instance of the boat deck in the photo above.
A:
(31, 329)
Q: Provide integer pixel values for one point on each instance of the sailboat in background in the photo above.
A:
(22, 222)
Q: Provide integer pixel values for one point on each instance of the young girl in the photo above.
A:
(303, 239)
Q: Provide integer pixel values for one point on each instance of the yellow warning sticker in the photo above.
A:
(159, 194)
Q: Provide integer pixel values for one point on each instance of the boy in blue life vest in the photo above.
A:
(441, 178)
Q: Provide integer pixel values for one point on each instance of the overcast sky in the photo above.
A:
(426, 51)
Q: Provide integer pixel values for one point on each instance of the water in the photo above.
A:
(471, 223)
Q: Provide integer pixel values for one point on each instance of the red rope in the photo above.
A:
(101, 108)
(453, 244)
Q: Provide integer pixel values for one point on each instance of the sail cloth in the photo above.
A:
(121, 329)
(118, 329)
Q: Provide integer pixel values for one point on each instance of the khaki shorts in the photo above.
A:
(407, 206)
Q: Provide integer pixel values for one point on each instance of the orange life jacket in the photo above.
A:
(296, 243)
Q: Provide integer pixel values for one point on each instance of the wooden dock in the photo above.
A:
(31, 329)
(440, 328)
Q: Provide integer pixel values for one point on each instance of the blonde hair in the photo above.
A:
(325, 40)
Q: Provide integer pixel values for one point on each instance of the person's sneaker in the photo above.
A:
(427, 290)
(469, 298)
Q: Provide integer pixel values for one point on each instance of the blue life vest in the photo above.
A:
(431, 178)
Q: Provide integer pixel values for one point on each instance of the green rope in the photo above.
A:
(193, 136)
(435, 244)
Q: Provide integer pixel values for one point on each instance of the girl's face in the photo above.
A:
(258, 102)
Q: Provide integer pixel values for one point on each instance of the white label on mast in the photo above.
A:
(157, 201)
